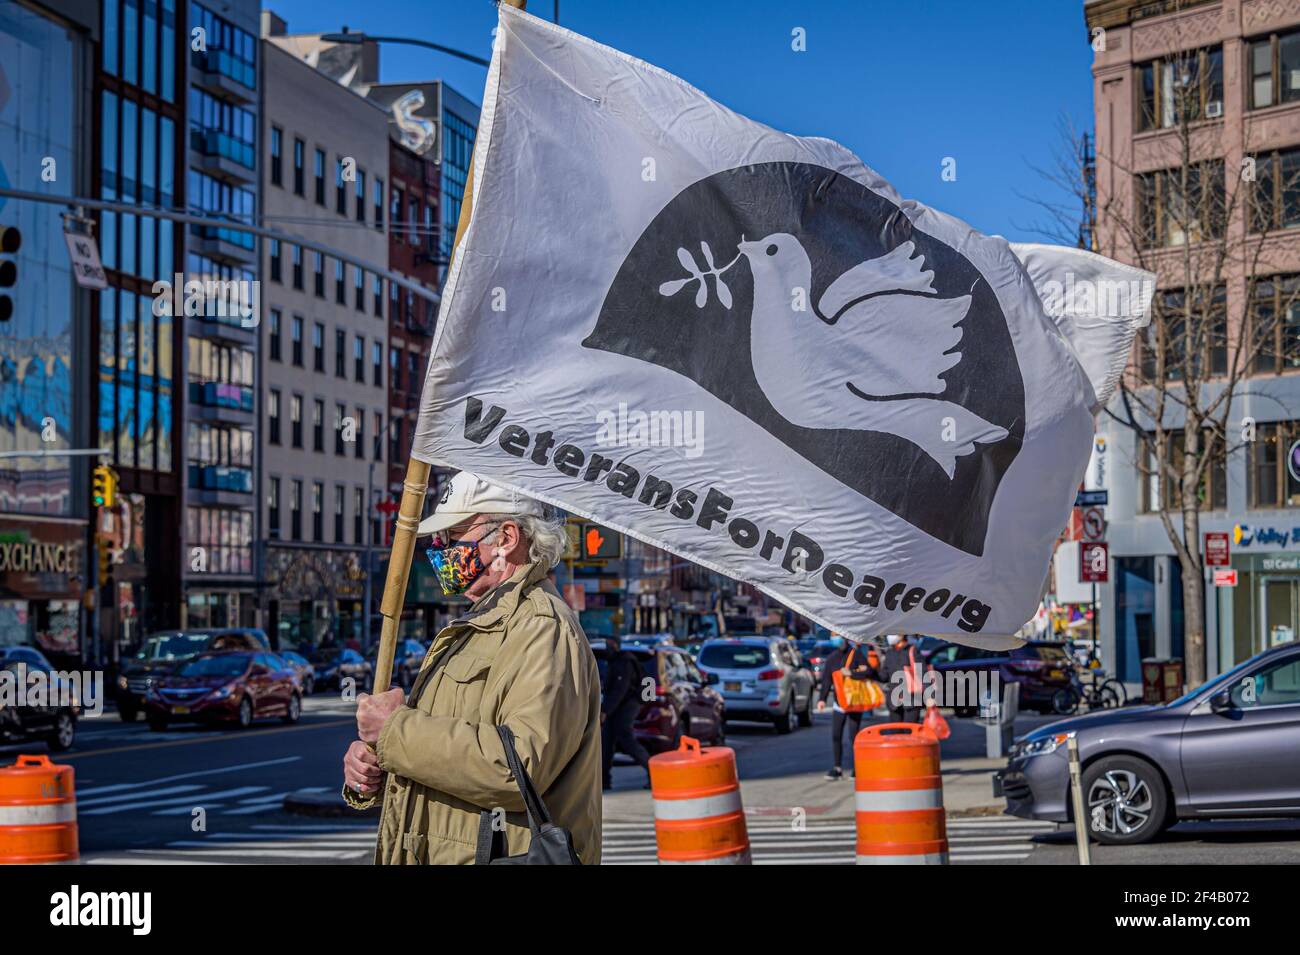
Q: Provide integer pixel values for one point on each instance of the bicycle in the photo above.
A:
(1097, 691)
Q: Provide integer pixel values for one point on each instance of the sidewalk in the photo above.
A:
(967, 782)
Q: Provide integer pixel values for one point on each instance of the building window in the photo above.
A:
(318, 285)
(299, 147)
(338, 513)
(395, 445)
(220, 457)
(295, 336)
(1269, 479)
(297, 267)
(317, 512)
(379, 204)
(395, 369)
(358, 289)
(340, 283)
(226, 536)
(358, 515)
(413, 370)
(340, 353)
(277, 158)
(318, 425)
(395, 216)
(430, 230)
(273, 508)
(1276, 194)
(359, 358)
(1173, 213)
(377, 360)
(378, 438)
(222, 129)
(295, 511)
(318, 346)
(273, 415)
(1275, 318)
(1158, 492)
(340, 189)
(1186, 86)
(361, 195)
(1273, 65)
(360, 449)
(295, 420)
(320, 177)
(273, 334)
(377, 287)
(339, 413)
(274, 247)
(1203, 326)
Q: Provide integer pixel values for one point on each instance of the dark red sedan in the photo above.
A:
(225, 687)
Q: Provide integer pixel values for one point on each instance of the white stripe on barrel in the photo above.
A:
(40, 814)
(702, 807)
(899, 800)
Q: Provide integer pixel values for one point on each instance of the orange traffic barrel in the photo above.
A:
(899, 796)
(699, 818)
(38, 812)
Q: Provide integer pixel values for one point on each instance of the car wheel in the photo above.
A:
(65, 732)
(786, 722)
(1065, 700)
(245, 713)
(1126, 800)
(157, 723)
(127, 712)
(806, 714)
(295, 709)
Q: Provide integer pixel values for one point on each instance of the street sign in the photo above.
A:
(1217, 549)
(83, 253)
(1094, 562)
(600, 543)
(1094, 524)
(1225, 578)
(1091, 498)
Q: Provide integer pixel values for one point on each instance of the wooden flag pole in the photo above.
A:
(414, 489)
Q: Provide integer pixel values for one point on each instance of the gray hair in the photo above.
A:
(546, 537)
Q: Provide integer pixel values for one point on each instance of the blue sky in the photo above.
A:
(902, 84)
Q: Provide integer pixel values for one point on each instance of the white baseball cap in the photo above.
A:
(468, 494)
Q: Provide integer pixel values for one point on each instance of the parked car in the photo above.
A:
(162, 651)
(408, 657)
(301, 666)
(762, 678)
(55, 721)
(1226, 749)
(1040, 667)
(685, 702)
(333, 665)
(228, 686)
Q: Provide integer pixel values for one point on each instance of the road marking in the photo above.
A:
(117, 787)
(187, 804)
(120, 797)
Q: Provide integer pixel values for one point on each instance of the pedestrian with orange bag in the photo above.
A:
(902, 672)
(846, 681)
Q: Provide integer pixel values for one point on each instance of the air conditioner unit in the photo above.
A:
(1214, 109)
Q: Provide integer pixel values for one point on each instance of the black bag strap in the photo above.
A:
(536, 809)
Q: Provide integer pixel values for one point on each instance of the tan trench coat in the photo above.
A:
(527, 664)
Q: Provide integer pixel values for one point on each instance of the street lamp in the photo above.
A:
(359, 38)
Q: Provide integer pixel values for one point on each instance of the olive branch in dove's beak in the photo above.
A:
(697, 274)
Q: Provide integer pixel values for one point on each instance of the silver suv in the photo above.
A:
(760, 678)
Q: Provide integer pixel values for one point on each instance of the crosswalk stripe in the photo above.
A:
(256, 853)
(186, 803)
(85, 803)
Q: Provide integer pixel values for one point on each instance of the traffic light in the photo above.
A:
(103, 551)
(104, 486)
(600, 543)
(11, 241)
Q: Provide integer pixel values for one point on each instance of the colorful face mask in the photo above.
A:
(457, 565)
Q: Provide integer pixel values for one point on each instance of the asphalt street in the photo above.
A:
(194, 794)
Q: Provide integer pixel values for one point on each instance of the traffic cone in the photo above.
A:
(38, 812)
(900, 819)
(699, 818)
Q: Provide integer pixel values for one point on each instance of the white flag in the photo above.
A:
(744, 347)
